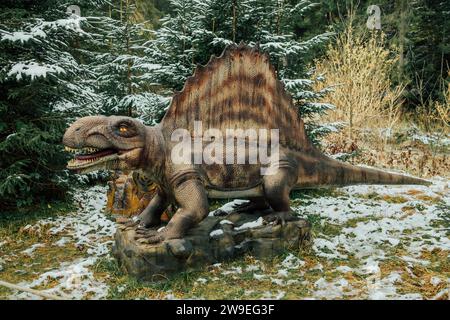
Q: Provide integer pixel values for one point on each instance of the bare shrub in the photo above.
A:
(434, 115)
(359, 66)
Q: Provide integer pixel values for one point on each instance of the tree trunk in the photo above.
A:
(234, 19)
(403, 6)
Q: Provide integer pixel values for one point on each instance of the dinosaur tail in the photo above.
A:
(320, 170)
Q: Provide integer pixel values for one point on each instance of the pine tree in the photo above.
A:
(42, 87)
(116, 58)
(428, 52)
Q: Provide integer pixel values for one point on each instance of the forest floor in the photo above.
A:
(376, 242)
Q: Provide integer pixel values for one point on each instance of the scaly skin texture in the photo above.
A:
(237, 90)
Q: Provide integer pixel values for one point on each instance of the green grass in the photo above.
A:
(18, 267)
(11, 221)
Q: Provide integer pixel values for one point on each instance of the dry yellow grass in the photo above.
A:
(435, 115)
(443, 108)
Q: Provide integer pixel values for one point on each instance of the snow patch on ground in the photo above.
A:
(87, 227)
(233, 270)
(74, 280)
(252, 267)
(332, 290)
(269, 295)
(30, 250)
(371, 229)
(292, 262)
(433, 139)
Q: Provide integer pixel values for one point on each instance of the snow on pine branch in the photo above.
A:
(22, 36)
(317, 40)
(303, 7)
(34, 70)
(317, 107)
(295, 84)
(149, 107)
(41, 29)
(221, 42)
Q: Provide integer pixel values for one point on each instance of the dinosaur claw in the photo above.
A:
(151, 236)
(122, 220)
(220, 213)
(155, 239)
(131, 224)
(280, 218)
(127, 224)
(145, 234)
(141, 228)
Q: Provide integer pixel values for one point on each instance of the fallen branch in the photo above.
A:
(32, 291)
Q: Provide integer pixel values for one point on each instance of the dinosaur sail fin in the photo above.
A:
(237, 90)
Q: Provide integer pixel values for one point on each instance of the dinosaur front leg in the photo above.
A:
(151, 215)
(193, 205)
(276, 190)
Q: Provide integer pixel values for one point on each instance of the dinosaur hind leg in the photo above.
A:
(276, 191)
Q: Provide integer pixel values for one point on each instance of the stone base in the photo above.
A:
(214, 240)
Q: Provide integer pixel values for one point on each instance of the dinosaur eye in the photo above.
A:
(125, 129)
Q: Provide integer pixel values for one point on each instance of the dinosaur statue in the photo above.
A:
(239, 89)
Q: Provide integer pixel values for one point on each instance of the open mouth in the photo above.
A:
(89, 157)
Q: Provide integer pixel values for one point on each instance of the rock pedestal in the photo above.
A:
(214, 240)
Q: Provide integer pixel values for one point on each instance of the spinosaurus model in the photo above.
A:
(239, 89)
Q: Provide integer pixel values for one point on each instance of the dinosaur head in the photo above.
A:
(99, 142)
